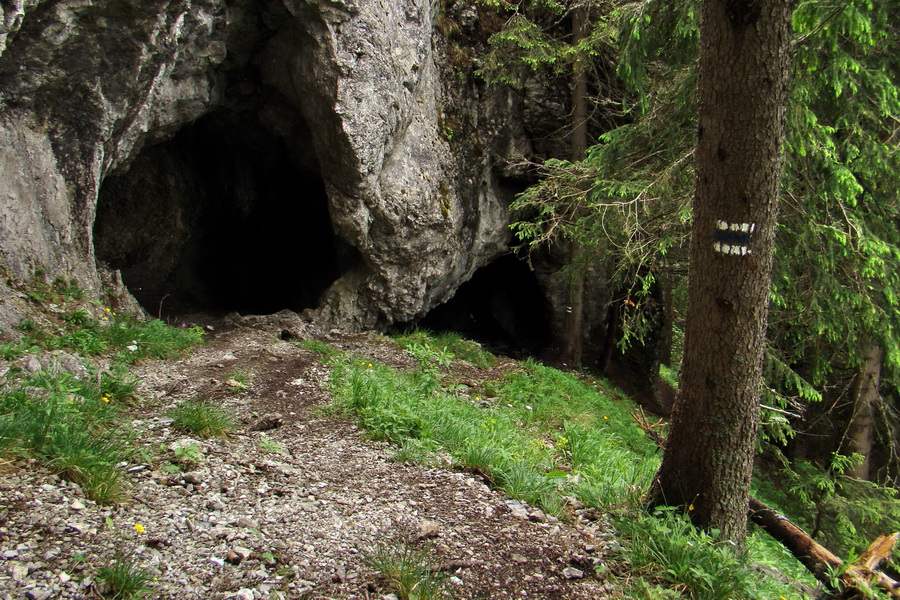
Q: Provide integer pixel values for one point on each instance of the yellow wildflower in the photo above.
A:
(139, 528)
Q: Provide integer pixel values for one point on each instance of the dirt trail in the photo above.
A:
(283, 513)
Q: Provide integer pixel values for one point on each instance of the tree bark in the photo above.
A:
(668, 325)
(742, 92)
(573, 323)
(858, 438)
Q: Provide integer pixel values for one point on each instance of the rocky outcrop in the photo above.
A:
(348, 92)
(83, 86)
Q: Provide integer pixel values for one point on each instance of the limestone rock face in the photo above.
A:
(347, 90)
(83, 86)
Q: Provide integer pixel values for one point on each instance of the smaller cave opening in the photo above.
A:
(502, 306)
(225, 216)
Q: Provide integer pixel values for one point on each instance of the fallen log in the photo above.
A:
(860, 575)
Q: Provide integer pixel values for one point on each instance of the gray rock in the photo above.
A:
(193, 477)
(18, 572)
(245, 522)
(517, 509)
(538, 516)
(428, 529)
(572, 573)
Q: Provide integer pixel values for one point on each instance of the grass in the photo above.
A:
(125, 578)
(325, 351)
(545, 437)
(70, 424)
(668, 548)
(441, 347)
(407, 572)
(128, 339)
(202, 418)
(237, 380)
(71, 420)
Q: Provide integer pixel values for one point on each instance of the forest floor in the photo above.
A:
(296, 503)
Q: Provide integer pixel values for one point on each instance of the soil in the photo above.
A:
(297, 503)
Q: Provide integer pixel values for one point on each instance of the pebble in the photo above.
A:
(518, 509)
(18, 572)
(538, 516)
(428, 529)
(248, 523)
(572, 573)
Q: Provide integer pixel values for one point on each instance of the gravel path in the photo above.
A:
(289, 512)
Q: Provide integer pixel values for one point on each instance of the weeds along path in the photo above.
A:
(295, 503)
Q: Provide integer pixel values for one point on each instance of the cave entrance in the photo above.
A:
(225, 216)
(502, 306)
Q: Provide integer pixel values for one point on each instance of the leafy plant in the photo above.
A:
(187, 455)
(202, 418)
(271, 446)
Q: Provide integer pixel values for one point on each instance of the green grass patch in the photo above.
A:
(202, 418)
(408, 572)
(670, 558)
(72, 426)
(325, 351)
(441, 347)
(545, 436)
(129, 339)
(125, 578)
(669, 375)
(70, 421)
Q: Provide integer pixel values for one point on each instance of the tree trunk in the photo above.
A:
(668, 324)
(858, 438)
(609, 340)
(573, 323)
(742, 91)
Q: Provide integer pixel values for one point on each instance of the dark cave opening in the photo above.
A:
(502, 306)
(225, 216)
